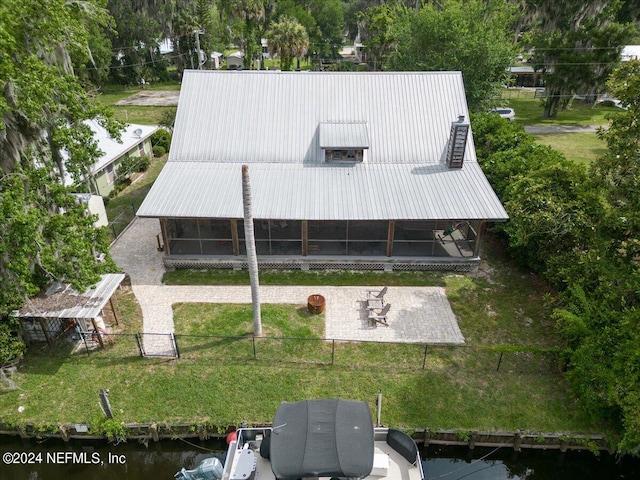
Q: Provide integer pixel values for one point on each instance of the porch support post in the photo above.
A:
(305, 237)
(481, 227)
(163, 231)
(390, 230)
(234, 237)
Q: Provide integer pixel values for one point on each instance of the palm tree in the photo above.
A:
(288, 39)
(252, 258)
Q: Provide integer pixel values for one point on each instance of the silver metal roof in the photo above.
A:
(88, 305)
(253, 116)
(324, 192)
(273, 120)
(343, 135)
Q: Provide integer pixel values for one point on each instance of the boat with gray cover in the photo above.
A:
(320, 439)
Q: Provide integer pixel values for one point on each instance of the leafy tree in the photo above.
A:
(92, 64)
(323, 21)
(577, 44)
(135, 39)
(288, 39)
(470, 36)
(579, 231)
(45, 231)
(326, 39)
(246, 19)
(618, 171)
(377, 28)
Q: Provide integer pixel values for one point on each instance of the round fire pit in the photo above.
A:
(316, 303)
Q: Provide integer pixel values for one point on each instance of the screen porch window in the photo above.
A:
(344, 142)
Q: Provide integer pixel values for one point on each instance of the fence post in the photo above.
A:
(84, 339)
(255, 356)
(139, 342)
(175, 345)
(424, 360)
(499, 361)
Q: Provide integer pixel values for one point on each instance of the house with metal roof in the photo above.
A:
(135, 141)
(348, 170)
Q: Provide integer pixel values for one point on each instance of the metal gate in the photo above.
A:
(161, 345)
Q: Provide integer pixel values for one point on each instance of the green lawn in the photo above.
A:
(114, 93)
(583, 148)
(218, 380)
(579, 147)
(141, 115)
(529, 112)
(279, 277)
(133, 113)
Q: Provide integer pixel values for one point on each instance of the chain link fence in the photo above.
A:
(212, 349)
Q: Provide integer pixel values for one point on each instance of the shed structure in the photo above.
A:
(45, 318)
(348, 170)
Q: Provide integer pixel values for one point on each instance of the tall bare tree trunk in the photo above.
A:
(252, 258)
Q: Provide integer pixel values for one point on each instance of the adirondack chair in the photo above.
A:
(380, 316)
(377, 293)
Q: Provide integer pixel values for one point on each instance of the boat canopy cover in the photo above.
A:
(322, 438)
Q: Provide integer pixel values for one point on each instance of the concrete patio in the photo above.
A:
(417, 315)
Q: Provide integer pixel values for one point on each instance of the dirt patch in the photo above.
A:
(152, 98)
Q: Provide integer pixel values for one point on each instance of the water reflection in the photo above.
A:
(498, 464)
(52, 460)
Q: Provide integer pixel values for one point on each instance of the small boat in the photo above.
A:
(318, 439)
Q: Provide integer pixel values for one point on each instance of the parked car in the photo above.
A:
(505, 112)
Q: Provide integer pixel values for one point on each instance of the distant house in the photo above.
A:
(216, 59)
(235, 61)
(348, 170)
(352, 51)
(525, 76)
(135, 141)
(630, 52)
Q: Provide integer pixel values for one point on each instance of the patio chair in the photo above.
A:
(377, 293)
(381, 316)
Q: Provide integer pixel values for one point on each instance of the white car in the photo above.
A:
(505, 112)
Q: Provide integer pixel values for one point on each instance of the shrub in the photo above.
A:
(159, 151)
(161, 138)
(142, 163)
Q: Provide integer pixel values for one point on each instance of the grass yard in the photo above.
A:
(529, 112)
(131, 113)
(114, 93)
(218, 381)
(583, 148)
(141, 115)
(279, 277)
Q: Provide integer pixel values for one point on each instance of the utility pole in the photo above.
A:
(197, 34)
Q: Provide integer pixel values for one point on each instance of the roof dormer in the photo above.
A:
(344, 142)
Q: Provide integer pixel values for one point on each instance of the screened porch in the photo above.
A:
(335, 238)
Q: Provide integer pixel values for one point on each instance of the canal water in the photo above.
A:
(53, 460)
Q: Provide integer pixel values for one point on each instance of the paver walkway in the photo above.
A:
(418, 314)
